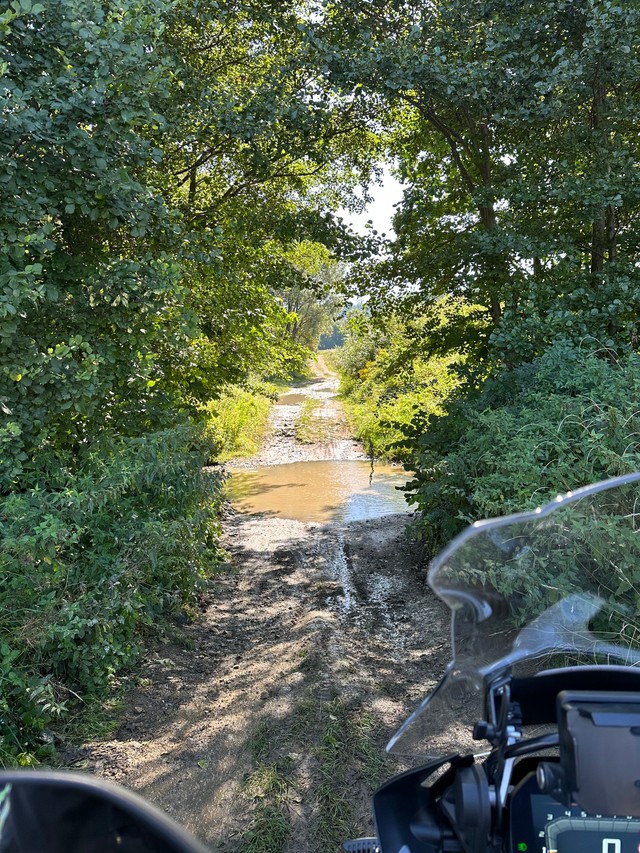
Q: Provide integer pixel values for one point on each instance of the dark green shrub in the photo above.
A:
(89, 566)
(567, 419)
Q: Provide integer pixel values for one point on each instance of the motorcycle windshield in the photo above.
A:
(559, 586)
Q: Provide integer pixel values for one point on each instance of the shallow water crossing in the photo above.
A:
(325, 491)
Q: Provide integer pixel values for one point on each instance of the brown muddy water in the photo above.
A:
(291, 399)
(319, 491)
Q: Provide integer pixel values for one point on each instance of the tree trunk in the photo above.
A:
(537, 268)
(612, 234)
(598, 242)
(495, 266)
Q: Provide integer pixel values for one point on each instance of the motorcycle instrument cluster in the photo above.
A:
(540, 824)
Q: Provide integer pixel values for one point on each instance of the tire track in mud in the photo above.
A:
(310, 623)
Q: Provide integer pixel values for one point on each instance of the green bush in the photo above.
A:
(384, 409)
(389, 383)
(91, 565)
(236, 422)
(568, 419)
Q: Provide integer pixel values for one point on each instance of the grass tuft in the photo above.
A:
(268, 787)
(269, 831)
(310, 428)
(262, 740)
(335, 812)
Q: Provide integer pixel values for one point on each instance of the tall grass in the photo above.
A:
(237, 422)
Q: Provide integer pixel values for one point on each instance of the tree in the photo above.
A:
(157, 162)
(85, 297)
(255, 154)
(310, 298)
(513, 129)
(107, 520)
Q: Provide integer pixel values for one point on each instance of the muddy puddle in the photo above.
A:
(320, 491)
(292, 399)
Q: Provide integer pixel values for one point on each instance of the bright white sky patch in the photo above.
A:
(380, 210)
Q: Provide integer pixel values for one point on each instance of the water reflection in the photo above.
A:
(319, 491)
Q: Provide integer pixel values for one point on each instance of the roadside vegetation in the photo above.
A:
(512, 131)
(391, 381)
(170, 177)
(237, 421)
(90, 566)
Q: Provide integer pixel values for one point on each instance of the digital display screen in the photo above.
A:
(540, 824)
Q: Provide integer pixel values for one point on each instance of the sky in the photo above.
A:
(380, 210)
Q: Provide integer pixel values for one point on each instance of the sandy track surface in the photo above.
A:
(282, 446)
(309, 623)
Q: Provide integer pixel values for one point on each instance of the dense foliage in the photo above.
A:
(567, 419)
(513, 131)
(88, 569)
(87, 306)
(157, 165)
(390, 382)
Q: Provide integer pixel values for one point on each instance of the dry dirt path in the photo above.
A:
(261, 726)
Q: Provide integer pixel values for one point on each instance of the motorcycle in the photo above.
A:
(43, 811)
(545, 673)
(545, 610)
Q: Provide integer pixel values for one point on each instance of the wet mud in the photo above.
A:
(308, 613)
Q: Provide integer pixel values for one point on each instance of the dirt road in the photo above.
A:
(332, 430)
(261, 726)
